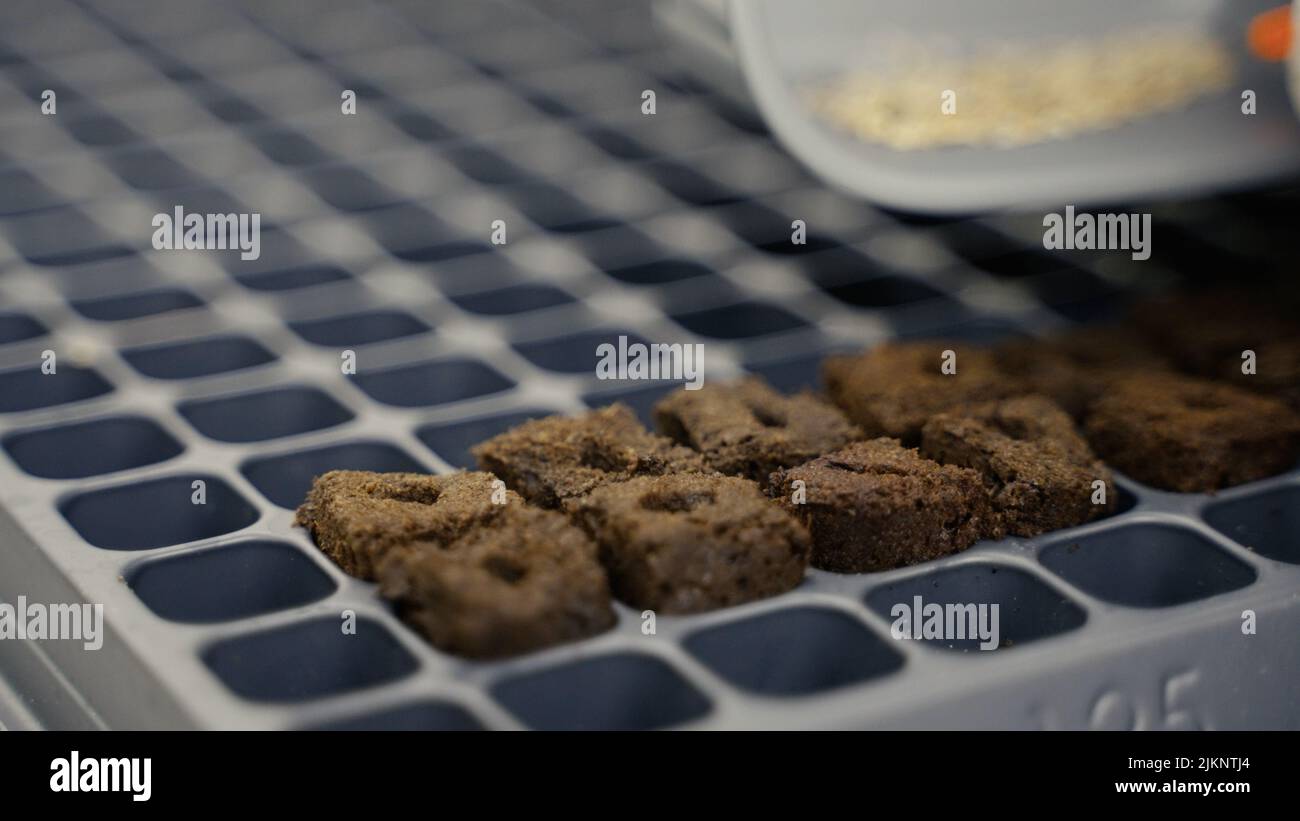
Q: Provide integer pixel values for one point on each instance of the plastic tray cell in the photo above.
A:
(363, 328)
(432, 383)
(232, 581)
(262, 415)
(1147, 564)
(169, 511)
(91, 448)
(310, 659)
(17, 327)
(196, 358)
(1028, 609)
(25, 389)
(1266, 522)
(794, 651)
(617, 692)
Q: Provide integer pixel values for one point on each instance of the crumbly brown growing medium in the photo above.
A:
(1073, 367)
(1277, 371)
(892, 389)
(523, 580)
(553, 461)
(1191, 435)
(1207, 332)
(746, 428)
(876, 505)
(687, 543)
(358, 518)
(1038, 470)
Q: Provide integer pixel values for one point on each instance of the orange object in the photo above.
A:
(1269, 35)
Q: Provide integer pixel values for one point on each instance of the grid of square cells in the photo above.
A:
(178, 367)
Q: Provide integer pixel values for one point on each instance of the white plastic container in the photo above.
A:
(769, 53)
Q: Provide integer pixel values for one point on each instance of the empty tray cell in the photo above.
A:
(618, 247)
(149, 169)
(256, 417)
(628, 691)
(420, 126)
(452, 440)
(782, 246)
(1267, 523)
(205, 199)
(158, 512)
(230, 582)
(1146, 564)
(689, 185)
(426, 715)
(617, 143)
(285, 479)
(20, 192)
(25, 389)
(414, 234)
(975, 241)
(232, 109)
(770, 230)
(440, 250)
(516, 299)
(1021, 263)
(883, 292)
(840, 265)
(308, 660)
(198, 357)
(349, 189)
(286, 146)
(134, 306)
(79, 256)
(181, 73)
(363, 328)
(793, 652)
(557, 210)
(660, 272)
(485, 166)
(279, 251)
(1078, 295)
(62, 236)
(365, 89)
(432, 383)
(16, 327)
(549, 105)
(91, 448)
(99, 130)
(476, 274)
(291, 279)
(855, 279)
(572, 354)
(742, 320)
(1027, 608)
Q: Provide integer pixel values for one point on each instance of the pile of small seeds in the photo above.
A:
(1018, 96)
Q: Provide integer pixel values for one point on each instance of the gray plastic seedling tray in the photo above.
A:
(225, 616)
